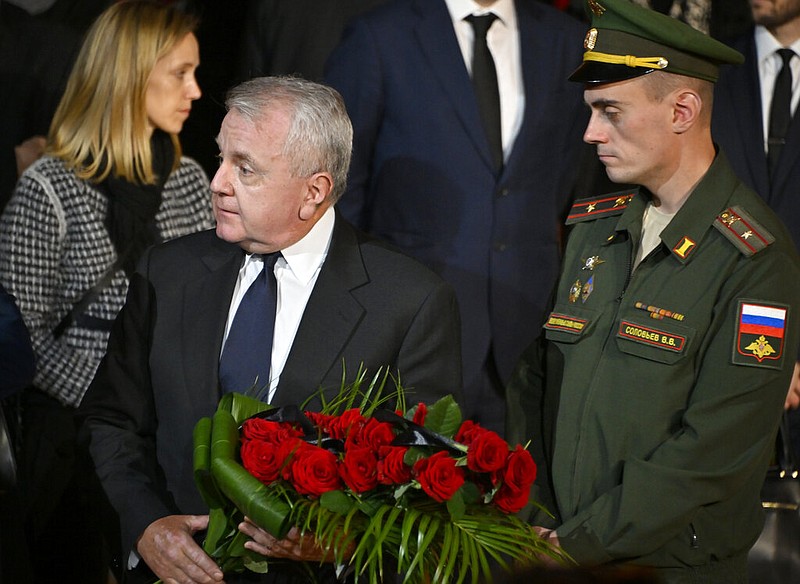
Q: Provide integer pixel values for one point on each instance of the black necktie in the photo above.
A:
(484, 80)
(780, 113)
(248, 349)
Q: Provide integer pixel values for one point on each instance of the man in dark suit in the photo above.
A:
(343, 299)
(741, 126)
(294, 38)
(424, 175)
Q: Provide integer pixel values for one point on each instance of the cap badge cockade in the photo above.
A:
(591, 39)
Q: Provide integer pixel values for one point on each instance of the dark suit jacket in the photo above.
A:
(421, 175)
(738, 129)
(370, 304)
(295, 37)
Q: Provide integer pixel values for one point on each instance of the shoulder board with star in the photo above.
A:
(749, 236)
(606, 205)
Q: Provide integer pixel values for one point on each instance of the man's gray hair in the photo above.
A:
(320, 137)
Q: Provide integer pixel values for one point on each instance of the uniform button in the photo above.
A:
(499, 246)
(502, 193)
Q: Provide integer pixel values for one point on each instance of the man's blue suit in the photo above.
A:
(737, 128)
(421, 175)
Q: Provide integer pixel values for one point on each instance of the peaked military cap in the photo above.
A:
(627, 40)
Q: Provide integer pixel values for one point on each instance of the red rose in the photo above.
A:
(392, 469)
(419, 415)
(313, 470)
(439, 476)
(468, 431)
(349, 421)
(373, 434)
(487, 452)
(262, 459)
(359, 469)
(320, 421)
(268, 431)
(510, 500)
(520, 471)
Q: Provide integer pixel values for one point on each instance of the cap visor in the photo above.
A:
(594, 72)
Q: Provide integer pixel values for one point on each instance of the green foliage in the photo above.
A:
(444, 417)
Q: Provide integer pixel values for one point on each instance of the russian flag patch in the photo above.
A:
(760, 333)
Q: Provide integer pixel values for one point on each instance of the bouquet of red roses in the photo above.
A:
(377, 484)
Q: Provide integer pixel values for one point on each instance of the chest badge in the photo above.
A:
(587, 289)
(575, 291)
(592, 262)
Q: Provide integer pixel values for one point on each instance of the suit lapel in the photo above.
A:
(205, 312)
(330, 317)
(437, 40)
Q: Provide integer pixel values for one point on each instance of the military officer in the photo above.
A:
(654, 396)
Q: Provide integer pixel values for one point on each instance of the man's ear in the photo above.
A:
(687, 109)
(318, 189)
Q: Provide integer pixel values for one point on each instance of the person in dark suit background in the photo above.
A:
(343, 299)
(294, 38)
(742, 103)
(423, 175)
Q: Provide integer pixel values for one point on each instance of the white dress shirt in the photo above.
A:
(503, 41)
(296, 273)
(769, 65)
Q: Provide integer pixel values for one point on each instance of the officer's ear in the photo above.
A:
(687, 109)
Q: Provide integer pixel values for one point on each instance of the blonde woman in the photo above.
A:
(112, 183)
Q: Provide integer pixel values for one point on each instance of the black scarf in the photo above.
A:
(132, 207)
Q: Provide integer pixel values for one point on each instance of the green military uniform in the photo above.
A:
(652, 407)
(654, 396)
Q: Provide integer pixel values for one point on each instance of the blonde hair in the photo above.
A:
(101, 122)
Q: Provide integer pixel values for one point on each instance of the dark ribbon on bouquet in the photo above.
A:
(411, 434)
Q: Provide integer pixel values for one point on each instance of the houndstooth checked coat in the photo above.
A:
(54, 247)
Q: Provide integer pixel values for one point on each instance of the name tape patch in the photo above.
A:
(651, 336)
(563, 322)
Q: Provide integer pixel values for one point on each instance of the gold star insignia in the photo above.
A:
(591, 207)
(747, 235)
(621, 201)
